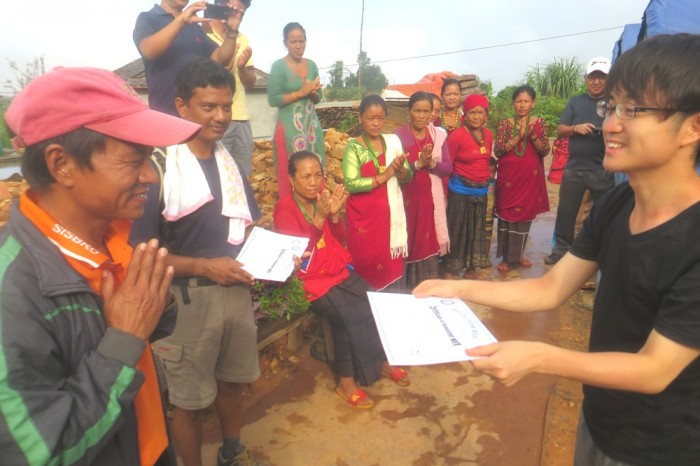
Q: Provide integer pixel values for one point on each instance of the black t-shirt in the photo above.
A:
(585, 152)
(649, 280)
(204, 232)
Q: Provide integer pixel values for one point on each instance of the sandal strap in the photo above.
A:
(357, 397)
(398, 374)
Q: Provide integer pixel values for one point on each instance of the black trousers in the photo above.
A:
(574, 184)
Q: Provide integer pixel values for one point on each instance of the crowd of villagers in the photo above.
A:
(419, 204)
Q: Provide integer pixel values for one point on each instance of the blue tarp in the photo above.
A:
(660, 17)
(670, 17)
(627, 40)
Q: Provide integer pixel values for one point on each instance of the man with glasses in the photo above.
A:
(641, 373)
(581, 123)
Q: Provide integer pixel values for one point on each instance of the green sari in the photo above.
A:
(298, 127)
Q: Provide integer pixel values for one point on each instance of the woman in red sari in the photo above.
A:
(521, 192)
(470, 148)
(334, 291)
(427, 155)
(373, 166)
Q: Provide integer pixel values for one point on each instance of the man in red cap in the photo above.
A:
(78, 306)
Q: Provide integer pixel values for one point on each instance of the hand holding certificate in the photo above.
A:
(270, 256)
(416, 331)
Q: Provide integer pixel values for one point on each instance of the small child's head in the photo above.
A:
(437, 106)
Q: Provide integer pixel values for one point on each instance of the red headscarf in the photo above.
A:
(475, 100)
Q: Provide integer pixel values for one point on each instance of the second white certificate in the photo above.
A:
(418, 331)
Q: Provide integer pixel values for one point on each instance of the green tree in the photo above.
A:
(24, 75)
(337, 74)
(4, 137)
(368, 76)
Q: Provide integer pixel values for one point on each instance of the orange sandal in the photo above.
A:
(525, 263)
(359, 398)
(398, 376)
(503, 267)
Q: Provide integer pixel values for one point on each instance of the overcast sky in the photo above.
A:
(98, 33)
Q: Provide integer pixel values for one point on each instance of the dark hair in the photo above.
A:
(434, 96)
(419, 96)
(298, 157)
(449, 82)
(292, 26)
(201, 72)
(661, 71)
(524, 88)
(80, 144)
(371, 100)
(246, 3)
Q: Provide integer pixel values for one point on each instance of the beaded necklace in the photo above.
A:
(515, 133)
(444, 121)
(480, 142)
(373, 155)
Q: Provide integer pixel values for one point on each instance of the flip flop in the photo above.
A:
(503, 267)
(359, 398)
(318, 351)
(525, 263)
(398, 376)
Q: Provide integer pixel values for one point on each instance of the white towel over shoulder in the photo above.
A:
(185, 188)
(398, 236)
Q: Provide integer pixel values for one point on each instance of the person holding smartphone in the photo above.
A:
(584, 168)
(168, 37)
(238, 138)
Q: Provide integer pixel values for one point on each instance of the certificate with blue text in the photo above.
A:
(419, 331)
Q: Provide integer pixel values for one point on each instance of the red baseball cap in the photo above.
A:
(66, 99)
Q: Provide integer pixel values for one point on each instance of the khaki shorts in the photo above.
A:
(215, 338)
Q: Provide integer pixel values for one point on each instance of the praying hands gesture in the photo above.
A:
(425, 158)
(535, 129)
(329, 204)
(395, 168)
(522, 128)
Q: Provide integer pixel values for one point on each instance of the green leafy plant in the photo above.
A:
(4, 137)
(561, 78)
(280, 299)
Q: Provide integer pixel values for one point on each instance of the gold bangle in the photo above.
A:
(294, 95)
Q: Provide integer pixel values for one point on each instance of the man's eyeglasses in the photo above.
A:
(627, 111)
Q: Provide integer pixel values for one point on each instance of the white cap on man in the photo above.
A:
(601, 64)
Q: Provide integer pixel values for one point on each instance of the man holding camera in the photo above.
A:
(584, 169)
(239, 135)
(169, 36)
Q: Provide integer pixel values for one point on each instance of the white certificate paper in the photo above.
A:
(267, 255)
(419, 331)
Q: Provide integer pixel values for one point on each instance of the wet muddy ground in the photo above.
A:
(449, 415)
